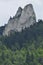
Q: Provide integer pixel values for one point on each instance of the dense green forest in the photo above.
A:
(22, 48)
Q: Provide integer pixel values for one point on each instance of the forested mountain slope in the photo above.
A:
(2, 29)
(23, 48)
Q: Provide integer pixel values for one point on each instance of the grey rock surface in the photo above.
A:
(23, 18)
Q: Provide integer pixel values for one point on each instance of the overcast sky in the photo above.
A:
(9, 8)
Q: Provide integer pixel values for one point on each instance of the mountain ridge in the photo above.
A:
(23, 18)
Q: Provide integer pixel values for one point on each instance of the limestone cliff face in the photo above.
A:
(23, 18)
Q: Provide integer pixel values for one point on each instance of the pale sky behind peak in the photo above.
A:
(9, 8)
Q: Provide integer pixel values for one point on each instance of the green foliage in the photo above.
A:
(23, 48)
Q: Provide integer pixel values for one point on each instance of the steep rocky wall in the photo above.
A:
(23, 18)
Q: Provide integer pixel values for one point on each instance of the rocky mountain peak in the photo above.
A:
(19, 11)
(30, 5)
(23, 18)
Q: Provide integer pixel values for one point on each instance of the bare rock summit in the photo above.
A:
(23, 18)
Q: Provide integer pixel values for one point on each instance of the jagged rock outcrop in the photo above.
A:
(23, 18)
